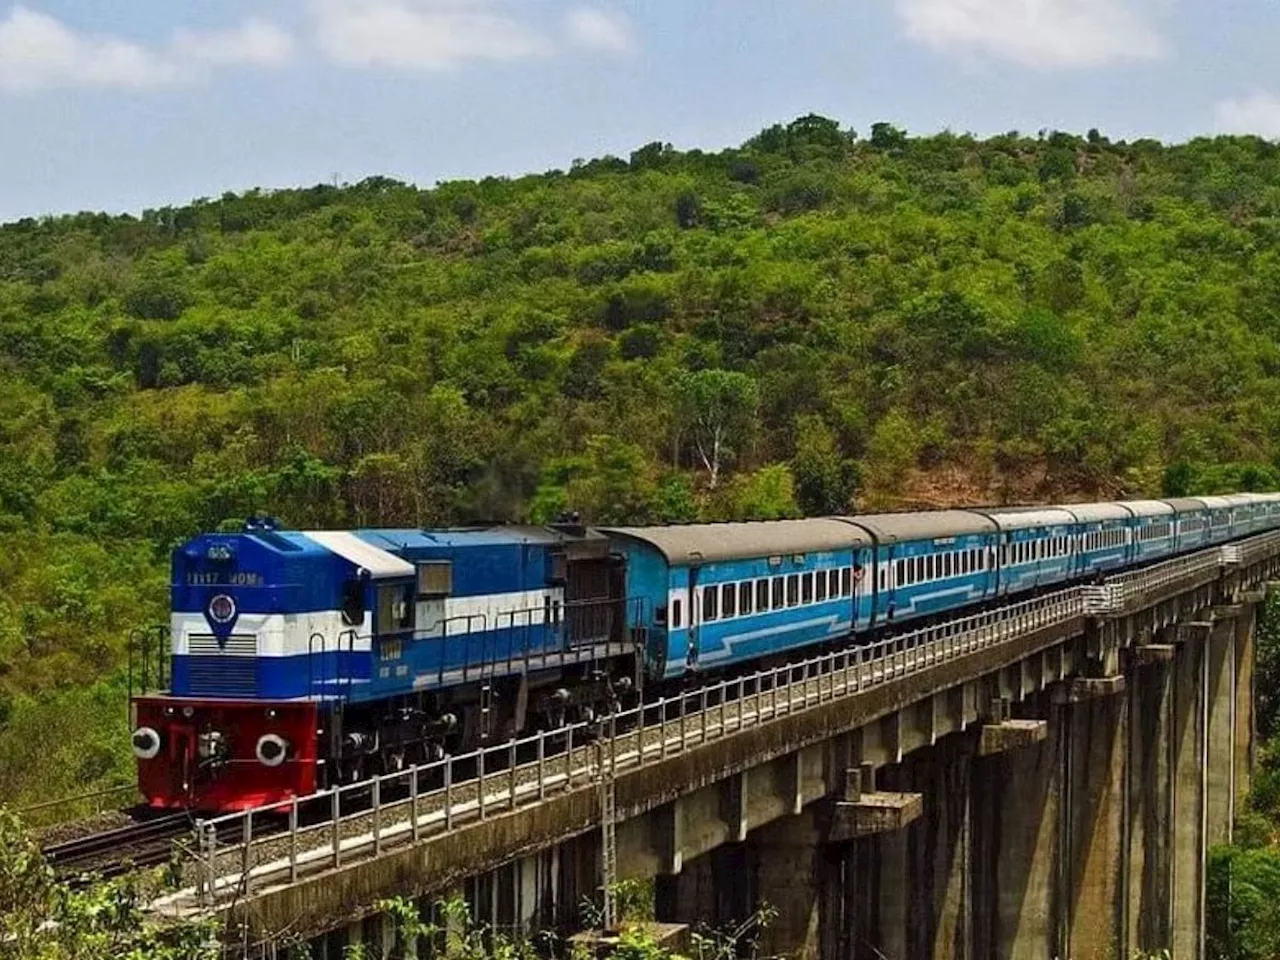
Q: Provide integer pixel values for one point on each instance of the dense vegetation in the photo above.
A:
(1243, 884)
(812, 322)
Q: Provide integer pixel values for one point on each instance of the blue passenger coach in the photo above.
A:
(927, 562)
(1035, 548)
(729, 593)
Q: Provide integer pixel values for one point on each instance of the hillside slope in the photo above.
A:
(814, 322)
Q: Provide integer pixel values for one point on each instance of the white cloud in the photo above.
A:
(1257, 113)
(1035, 33)
(603, 30)
(40, 52)
(420, 34)
(254, 41)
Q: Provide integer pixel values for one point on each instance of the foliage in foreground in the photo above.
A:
(42, 918)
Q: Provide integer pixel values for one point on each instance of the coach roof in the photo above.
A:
(930, 525)
(713, 542)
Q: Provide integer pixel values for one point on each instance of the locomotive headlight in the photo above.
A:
(272, 750)
(146, 743)
(222, 609)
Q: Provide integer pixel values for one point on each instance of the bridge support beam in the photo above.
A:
(1149, 856)
(1221, 667)
(1187, 826)
(1096, 729)
(1016, 797)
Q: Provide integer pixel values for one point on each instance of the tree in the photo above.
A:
(825, 481)
(717, 409)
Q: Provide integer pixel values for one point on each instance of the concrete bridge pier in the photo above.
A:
(1016, 795)
(1190, 687)
(1093, 817)
(1148, 868)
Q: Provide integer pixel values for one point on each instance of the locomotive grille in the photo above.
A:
(224, 672)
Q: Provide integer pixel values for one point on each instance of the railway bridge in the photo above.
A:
(1039, 780)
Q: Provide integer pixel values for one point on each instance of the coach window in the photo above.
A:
(744, 598)
(677, 614)
(806, 588)
(710, 609)
(728, 600)
(762, 595)
(779, 593)
(820, 587)
(883, 577)
(898, 580)
(833, 581)
(793, 590)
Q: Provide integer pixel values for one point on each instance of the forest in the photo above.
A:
(819, 320)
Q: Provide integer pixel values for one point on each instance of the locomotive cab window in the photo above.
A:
(435, 578)
(395, 612)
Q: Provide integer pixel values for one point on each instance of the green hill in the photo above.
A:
(813, 322)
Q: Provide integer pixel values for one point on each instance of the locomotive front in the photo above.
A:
(254, 639)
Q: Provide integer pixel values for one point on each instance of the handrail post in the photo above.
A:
(414, 825)
(542, 764)
(448, 792)
(293, 840)
(568, 758)
(662, 728)
(512, 773)
(335, 814)
(377, 816)
(613, 745)
(246, 881)
(204, 873)
(480, 780)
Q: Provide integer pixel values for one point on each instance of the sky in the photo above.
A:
(138, 104)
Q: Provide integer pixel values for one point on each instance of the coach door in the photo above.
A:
(695, 618)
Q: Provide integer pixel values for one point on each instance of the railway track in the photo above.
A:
(145, 843)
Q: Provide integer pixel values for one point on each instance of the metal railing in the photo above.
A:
(281, 841)
(443, 795)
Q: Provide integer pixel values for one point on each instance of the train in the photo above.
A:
(303, 660)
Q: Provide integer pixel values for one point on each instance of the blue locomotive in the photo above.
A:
(306, 658)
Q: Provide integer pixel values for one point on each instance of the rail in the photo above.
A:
(331, 827)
